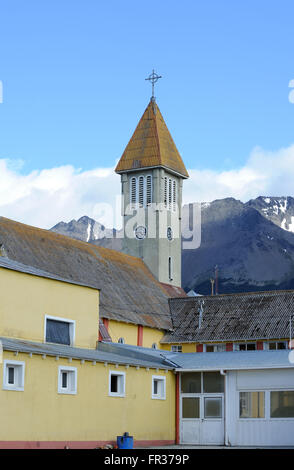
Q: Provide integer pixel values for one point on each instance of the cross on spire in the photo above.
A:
(153, 77)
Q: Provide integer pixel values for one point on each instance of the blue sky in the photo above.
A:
(73, 75)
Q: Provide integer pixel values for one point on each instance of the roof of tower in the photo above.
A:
(151, 145)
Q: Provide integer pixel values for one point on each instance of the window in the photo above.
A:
(158, 387)
(273, 345)
(170, 268)
(251, 404)
(141, 191)
(59, 330)
(121, 341)
(170, 193)
(13, 375)
(176, 348)
(245, 347)
(67, 380)
(282, 404)
(116, 384)
(154, 346)
(215, 347)
(191, 408)
(212, 407)
(202, 382)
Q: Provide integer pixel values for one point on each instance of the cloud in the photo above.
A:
(46, 197)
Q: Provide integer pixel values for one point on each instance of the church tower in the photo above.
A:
(152, 174)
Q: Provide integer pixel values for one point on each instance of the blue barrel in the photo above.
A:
(125, 441)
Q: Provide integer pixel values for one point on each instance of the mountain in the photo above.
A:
(252, 245)
(89, 230)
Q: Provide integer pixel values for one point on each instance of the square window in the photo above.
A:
(59, 330)
(282, 404)
(117, 384)
(158, 387)
(67, 380)
(176, 348)
(251, 404)
(13, 375)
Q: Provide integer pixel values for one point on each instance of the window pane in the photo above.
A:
(191, 382)
(282, 404)
(213, 382)
(251, 404)
(114, 383)
(64, 379)
(11, 375)
(212, 407)
(155, 387)
(209, 348)
(190, 408)
(251, 347)
(57, 332)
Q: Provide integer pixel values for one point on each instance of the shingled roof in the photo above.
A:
(151, 145)
(231, 317)
(129, 292)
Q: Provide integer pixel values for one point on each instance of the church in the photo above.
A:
(97, 342)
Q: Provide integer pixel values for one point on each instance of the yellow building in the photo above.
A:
(58, 389)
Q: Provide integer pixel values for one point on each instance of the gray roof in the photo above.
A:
(129, 291)
(111, 353)
(16, 266)
(234, 360)
(231, 317)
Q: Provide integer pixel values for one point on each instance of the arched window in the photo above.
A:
(121, 341)
(133, 191)
(174, 197)
(141, 191)
(154, 346)
(148, 190)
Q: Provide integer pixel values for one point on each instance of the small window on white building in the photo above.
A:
(13, 375)
(148, 190)
(133, 191)
(59, 330)
(117, 384)
(282, 404)
(158, 387)
(176, 348)
(67, 380)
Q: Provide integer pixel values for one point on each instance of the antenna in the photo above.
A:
(212, 285)
(216, 279)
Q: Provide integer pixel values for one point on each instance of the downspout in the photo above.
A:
(177, 408)
(224, 373)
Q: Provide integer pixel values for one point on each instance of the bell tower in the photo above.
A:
(152, 174)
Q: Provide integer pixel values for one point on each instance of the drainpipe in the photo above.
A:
(224, 373)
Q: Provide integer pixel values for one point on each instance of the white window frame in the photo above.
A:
(121, 386)
(237, 346)
(176, 348)
(162, 393)
(19, 374)
(72, 380)
(72, 328)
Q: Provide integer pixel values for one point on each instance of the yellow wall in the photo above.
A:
(26, 299)
(129, 332)
(39, 413)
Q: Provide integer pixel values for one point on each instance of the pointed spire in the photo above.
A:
(151, 145)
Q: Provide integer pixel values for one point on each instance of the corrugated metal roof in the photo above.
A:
(15, 266)
(237, 360)
(151, 145)
(129, 291)
(231, 317)
(112, 355)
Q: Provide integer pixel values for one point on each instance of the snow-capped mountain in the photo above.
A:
(279, 210)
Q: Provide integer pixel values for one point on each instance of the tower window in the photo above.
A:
(141, 190)
(133, 191)
(170, 193)
(170, 268)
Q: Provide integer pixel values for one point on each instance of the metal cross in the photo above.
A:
(153, 79)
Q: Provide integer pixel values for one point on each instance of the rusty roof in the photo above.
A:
(151, 145)
(231, 317)
(129, 292)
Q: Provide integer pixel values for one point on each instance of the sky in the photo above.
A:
(72, 89)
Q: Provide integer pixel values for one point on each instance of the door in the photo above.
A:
(202, 419)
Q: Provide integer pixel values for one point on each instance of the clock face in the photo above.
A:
(140, 232)
(169, 234)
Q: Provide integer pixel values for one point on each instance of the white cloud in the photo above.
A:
(46, 197)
